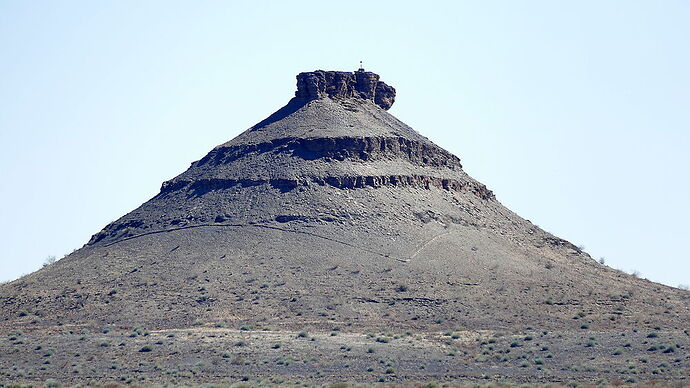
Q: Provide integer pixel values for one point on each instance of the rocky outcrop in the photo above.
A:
(198, 188)
(339, 148)
(342, 84)
(201, 187)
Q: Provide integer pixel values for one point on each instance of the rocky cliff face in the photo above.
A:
(343, 84)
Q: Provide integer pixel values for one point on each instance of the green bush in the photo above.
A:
(52, 383)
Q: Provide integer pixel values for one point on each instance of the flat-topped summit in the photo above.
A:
(343, 84)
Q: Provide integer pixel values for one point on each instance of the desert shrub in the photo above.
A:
(652, 335)
(302, 334)
(401, 288)
(52, 383)
(240, 343)
(137, 331)
(146, 349)
(49, 260)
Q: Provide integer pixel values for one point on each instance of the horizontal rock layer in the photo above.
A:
(200, 187)
(340, 148)
(191, 189)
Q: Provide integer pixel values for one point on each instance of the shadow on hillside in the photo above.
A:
(292, 106)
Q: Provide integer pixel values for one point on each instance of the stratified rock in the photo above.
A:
(342, 84)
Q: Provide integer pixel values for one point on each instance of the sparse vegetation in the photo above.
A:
(52, 383)
(49, 260)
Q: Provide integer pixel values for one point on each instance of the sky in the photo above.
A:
(574, 113)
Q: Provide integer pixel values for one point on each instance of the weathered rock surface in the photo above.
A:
(341, 84)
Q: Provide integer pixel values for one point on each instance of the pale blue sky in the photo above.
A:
(575, 113)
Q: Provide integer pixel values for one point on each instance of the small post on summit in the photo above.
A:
(361, 67)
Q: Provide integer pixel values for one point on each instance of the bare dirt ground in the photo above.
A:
(262, 355)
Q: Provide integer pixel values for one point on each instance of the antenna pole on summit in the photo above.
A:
(361, 67)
